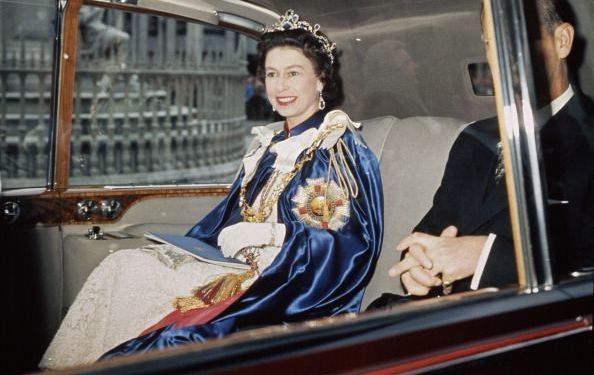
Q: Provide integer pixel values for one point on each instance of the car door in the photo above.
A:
(29, 229)
(114, 121)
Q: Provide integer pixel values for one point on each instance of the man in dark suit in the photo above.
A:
(465, 238)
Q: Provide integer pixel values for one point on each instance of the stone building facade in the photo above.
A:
(156, 100)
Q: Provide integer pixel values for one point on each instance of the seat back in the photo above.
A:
(412, 153)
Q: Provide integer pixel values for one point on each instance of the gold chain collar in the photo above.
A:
(271, 194)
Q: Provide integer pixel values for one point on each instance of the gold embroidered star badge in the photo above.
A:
(321, 205)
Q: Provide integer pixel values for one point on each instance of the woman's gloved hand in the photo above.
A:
(237, 236)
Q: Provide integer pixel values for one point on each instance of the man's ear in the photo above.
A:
(564, 39)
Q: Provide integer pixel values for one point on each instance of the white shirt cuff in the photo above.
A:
(482, 261)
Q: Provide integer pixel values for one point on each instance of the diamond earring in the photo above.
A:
(321, 102)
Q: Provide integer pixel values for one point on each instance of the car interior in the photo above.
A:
(413, 73)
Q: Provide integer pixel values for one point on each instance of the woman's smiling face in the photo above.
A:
(292, 85)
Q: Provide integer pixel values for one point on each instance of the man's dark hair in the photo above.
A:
(552, 13)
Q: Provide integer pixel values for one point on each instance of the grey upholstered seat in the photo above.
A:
(412, 153)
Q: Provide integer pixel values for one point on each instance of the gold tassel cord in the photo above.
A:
(187, 303)
(344, 175)
(350, 178)
(216, 291)
(221, 288)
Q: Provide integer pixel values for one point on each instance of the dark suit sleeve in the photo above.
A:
(568, 150)
(464, 199)
(446, 202)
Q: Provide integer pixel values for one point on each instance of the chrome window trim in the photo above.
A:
(521, 144)
(55, 93)
(240, 22)
(242, 15)
(23, 192)
(168, 186)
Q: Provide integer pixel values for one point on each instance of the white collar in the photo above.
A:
(289, 149)
(545, 113)
(560, 101)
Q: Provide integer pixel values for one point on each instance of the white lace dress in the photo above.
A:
(127, 293)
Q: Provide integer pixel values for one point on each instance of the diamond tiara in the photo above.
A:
(290, 21)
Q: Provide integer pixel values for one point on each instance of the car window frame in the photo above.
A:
(214, 13)
(516, 108)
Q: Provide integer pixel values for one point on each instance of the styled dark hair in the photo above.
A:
(553, 12)
(312, 49)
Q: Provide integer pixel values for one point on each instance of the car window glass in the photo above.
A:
(26, 44)
(480, 76)
(160, 101)
(564, 117)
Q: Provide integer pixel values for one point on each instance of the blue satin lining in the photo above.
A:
(317, 273)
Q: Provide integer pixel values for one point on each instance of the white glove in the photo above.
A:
(237, 236)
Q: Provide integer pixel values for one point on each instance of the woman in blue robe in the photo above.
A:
(306, 211)
(322, 267)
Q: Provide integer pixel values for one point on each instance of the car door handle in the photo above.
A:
(10, 212)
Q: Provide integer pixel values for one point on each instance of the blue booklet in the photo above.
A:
(198, 249)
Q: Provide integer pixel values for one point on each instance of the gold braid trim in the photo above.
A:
(216, 291)
(344, 175)
(221, 288)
